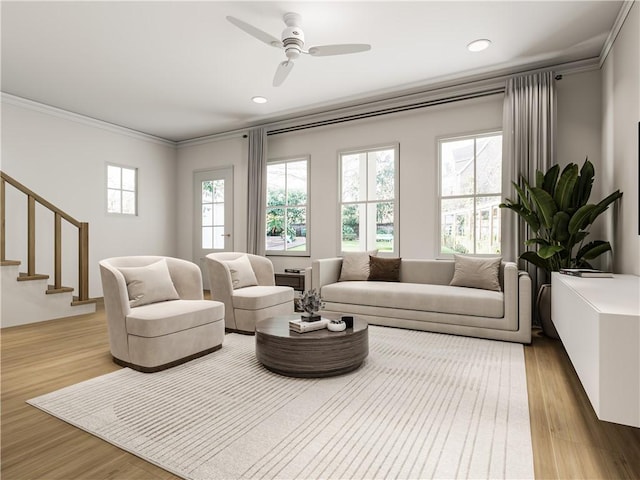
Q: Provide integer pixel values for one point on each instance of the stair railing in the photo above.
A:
(59, 215)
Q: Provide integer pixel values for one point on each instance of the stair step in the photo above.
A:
(51, 289)
(24, 277)
(9, 263)
(83, 302)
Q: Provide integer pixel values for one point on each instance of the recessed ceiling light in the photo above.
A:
(479, 45)
(259, 100)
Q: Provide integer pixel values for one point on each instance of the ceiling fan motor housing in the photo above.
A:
(293, 42)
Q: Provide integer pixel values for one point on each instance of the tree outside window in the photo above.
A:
(470, 194)
(368, 200)
(286, 215)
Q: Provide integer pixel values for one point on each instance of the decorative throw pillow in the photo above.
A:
(241, 272)
(149, 284)
(355, 266)
(384, 269)
(477, 272)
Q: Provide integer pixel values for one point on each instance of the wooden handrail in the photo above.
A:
(83, 236)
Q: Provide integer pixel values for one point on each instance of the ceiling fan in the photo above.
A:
(292, 41)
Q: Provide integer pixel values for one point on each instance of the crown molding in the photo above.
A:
(82, 119)
(214, 137)
(615, 30)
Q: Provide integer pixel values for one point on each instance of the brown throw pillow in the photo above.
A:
(384, 269)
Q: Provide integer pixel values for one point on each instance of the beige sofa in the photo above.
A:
(423, 300)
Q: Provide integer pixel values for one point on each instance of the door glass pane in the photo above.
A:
(456, 159)
(384, 227)
(218, 214)
(207, 237)
(382, 170)
(128, 179)
(489, 164)
(275, 229)
(297, 183)
(457, 225)
(207, 217)
(487, 225)
(113, 176)
(276, 194)
(218, 190)
(218, 237)
(207, 192)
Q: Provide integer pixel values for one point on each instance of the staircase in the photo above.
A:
(27, 297)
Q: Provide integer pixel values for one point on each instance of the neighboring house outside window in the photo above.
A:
(287, 207)
(122, 186)
(470, 176)
(369, 200)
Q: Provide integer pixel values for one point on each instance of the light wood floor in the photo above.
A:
(568, 440)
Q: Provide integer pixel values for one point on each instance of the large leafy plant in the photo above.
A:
(558, 212)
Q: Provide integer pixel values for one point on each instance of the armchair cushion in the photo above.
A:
(242, 274)
(149, 284)
(256, 298)
(164, 319)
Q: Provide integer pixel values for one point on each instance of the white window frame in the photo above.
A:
(472, 135)
(107, 188)
(292, 253)
(395, 146)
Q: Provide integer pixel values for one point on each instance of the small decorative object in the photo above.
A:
(348, 320)
(336, 325)
(310, 303)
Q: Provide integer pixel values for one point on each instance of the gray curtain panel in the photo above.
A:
(529, 144)
(257, 191)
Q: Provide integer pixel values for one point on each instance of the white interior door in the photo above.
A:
(213, 214)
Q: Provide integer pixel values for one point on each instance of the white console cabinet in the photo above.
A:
(598, 320)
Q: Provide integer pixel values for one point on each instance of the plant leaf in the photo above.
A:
(550, 179)
(560, 227)
(534, 258)
(523, 198)
(593, 250)
(566, 184)
(539, 179)
(545, 205)
(582, 191)
(604, 204)
(536, 241)
(548, 251)
(580, 219)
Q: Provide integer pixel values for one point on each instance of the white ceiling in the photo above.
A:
(180, 70)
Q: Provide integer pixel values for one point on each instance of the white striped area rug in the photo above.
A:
(423, 405)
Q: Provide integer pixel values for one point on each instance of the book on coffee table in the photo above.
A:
(300, 326)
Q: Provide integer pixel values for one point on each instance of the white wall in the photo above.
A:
(63, 158)
(621, 114)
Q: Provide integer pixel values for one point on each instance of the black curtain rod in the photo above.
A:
(387, 111)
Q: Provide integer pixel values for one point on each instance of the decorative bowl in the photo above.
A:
(336, 326)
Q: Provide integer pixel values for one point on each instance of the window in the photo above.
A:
(368, 200)
(470, 194)
(287, 210)
(122, 183)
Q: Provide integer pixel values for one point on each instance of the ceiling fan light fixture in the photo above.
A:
(479, 45)
(258, 99)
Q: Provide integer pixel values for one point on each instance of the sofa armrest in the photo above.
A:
(325, 271)
(524, 305)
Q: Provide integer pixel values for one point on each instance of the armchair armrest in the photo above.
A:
(325, 271)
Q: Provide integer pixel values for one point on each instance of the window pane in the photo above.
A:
(353, 168)
(218, 214)
(207, 237)
(113, 201)
(275, 229)
(456, 167)
(276, 184)
(207, 215)
(457, 226)
(351, 222)
(218, 190)
(382, 171)
(218, 237)
(297, 183)
(128, 179)
(129, 203)
(487, 225)
(113, 176)
(296, 229)
(489, 164)
(384, 226)
(207, 191)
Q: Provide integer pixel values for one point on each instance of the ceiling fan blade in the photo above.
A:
(281, 73)
(340, 49)
(255, 32)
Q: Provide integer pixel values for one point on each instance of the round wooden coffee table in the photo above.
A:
(320, 353)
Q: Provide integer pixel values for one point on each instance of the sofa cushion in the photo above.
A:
(261, 296)
(166, 318)
(355, 266)
(416, 296)
(477, 272)
(384, 269)
(149, 284)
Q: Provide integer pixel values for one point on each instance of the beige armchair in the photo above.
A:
(156, 312)
(246, 305)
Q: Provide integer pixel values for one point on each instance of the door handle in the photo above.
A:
(225, 234)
